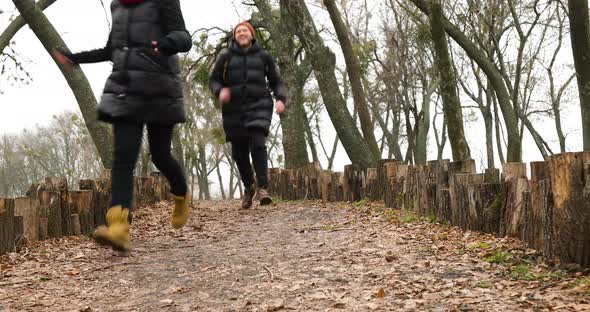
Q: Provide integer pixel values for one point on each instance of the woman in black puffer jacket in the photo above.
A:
(144, 88)
(242, 78)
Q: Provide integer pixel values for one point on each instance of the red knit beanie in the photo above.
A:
(247, 24)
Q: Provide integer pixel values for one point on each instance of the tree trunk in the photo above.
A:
(221, 183)
(495, 78)
(292, 121)
(177, 148)
(580, 36)
(18, 23)
(324, 62)
(46, 33)
(423, 125)
(355, 76)
(451, 105)
(203, 177)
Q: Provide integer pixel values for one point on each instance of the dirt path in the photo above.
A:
(293, 256)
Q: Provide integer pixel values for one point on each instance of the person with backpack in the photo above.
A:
(144, 88)
(242, 78)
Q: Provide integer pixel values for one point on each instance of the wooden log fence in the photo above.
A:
(52, 210)
(550, 211)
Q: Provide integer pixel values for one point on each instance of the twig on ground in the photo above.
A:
(270, 273)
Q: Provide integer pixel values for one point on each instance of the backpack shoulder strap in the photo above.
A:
(227, 59)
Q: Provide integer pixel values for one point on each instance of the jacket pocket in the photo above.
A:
(157, 61)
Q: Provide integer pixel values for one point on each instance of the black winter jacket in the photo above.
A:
(250, 74)
(144, 86)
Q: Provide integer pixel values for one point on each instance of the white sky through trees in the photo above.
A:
(84, 26)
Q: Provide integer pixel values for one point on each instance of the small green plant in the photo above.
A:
(479, 245)
(522, 272)
(484, 284)
(362, 202)
(389, 214)
(499, 257)
(409, 217)
(583, 284)
(431, 219)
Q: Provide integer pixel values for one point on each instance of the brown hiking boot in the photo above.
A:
(264, 198)
(116, 233)
(248, 197)
(181, 210)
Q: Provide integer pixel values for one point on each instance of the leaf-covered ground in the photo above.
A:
(299, 256)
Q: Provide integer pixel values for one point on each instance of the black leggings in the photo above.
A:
(128, 137)
(254, 142)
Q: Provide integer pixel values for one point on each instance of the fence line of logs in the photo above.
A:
(550, 211)
(52, 210)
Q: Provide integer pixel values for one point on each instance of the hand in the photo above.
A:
(155, 47)
(225, 96)
(280, 107)
(62, 59)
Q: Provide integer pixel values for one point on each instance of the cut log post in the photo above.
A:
(28, 208)
(101, 198)
(372, 184)
(19, 233)
(142, 191)
(546, 209)
(459, 167)
(76, 228)
(381, 187)
(434, 183)
(51, 201)
(411, 188)
(513, 171)
(326, 186)
(43, 228)
(535, 218)
(403, 171)
(421, 200)
(389, 195)
(465, 212)
(157, 187)
(514, 210)
(82, 204)
(442, 208)
(60, 186)
(274, 179)
(571, 210)
(492, 175)
(539, 171)
(6, 225)
(354, 183)
(338, 186)
(485, 207)
(444, 212)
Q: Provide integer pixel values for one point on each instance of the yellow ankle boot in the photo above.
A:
(116, 233)
(181, 210)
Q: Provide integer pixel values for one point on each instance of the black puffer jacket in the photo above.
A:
(250, 74)
(144, 86)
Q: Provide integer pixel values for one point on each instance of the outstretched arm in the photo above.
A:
(216, 79)
(274, 79)
(93, 56)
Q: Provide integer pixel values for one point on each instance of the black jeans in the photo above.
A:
(128, 137)
(254, 142)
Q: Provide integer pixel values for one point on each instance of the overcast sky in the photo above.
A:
(83, 25)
